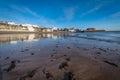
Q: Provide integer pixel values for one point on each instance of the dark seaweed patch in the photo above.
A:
(68, 76)
(63, 65)
(113, 64)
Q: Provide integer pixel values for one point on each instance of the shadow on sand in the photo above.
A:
(1, 76)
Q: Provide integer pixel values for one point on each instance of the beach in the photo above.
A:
(58, 57)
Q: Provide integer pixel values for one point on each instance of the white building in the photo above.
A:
(11, 23)
(72, 30)
(35, 25)
(26, 25)
(29, 26)
(54, 29)
(49, 30)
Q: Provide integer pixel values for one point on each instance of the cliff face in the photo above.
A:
(10, 28)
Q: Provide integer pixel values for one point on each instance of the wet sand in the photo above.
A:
(62, 59)
(1, 73)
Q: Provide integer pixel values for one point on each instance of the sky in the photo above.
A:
(82, 14)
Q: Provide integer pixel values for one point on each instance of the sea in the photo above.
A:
(110, 37)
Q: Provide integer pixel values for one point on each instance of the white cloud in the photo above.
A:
(117, 14)
(96, 8)
(31, 12)
(69, 13)
(25, 10)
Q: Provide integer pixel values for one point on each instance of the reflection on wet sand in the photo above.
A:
(14, 38)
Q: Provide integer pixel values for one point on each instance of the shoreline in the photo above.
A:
(23, 32)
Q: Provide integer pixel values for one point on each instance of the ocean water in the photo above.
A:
(111, 37)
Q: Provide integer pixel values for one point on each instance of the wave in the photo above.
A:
(118, 42)
(106, 37)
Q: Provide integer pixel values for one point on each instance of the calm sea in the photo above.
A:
(111, 37)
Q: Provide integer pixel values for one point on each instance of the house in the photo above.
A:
(11, 23)
(72, 30)
(49, 30)
(90, 29)
(29, 26)
(54, 29)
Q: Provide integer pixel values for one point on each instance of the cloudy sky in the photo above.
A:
(101, 14)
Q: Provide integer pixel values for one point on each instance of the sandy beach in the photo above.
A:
(67, 58)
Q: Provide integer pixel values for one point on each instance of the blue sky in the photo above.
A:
(101, 14)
